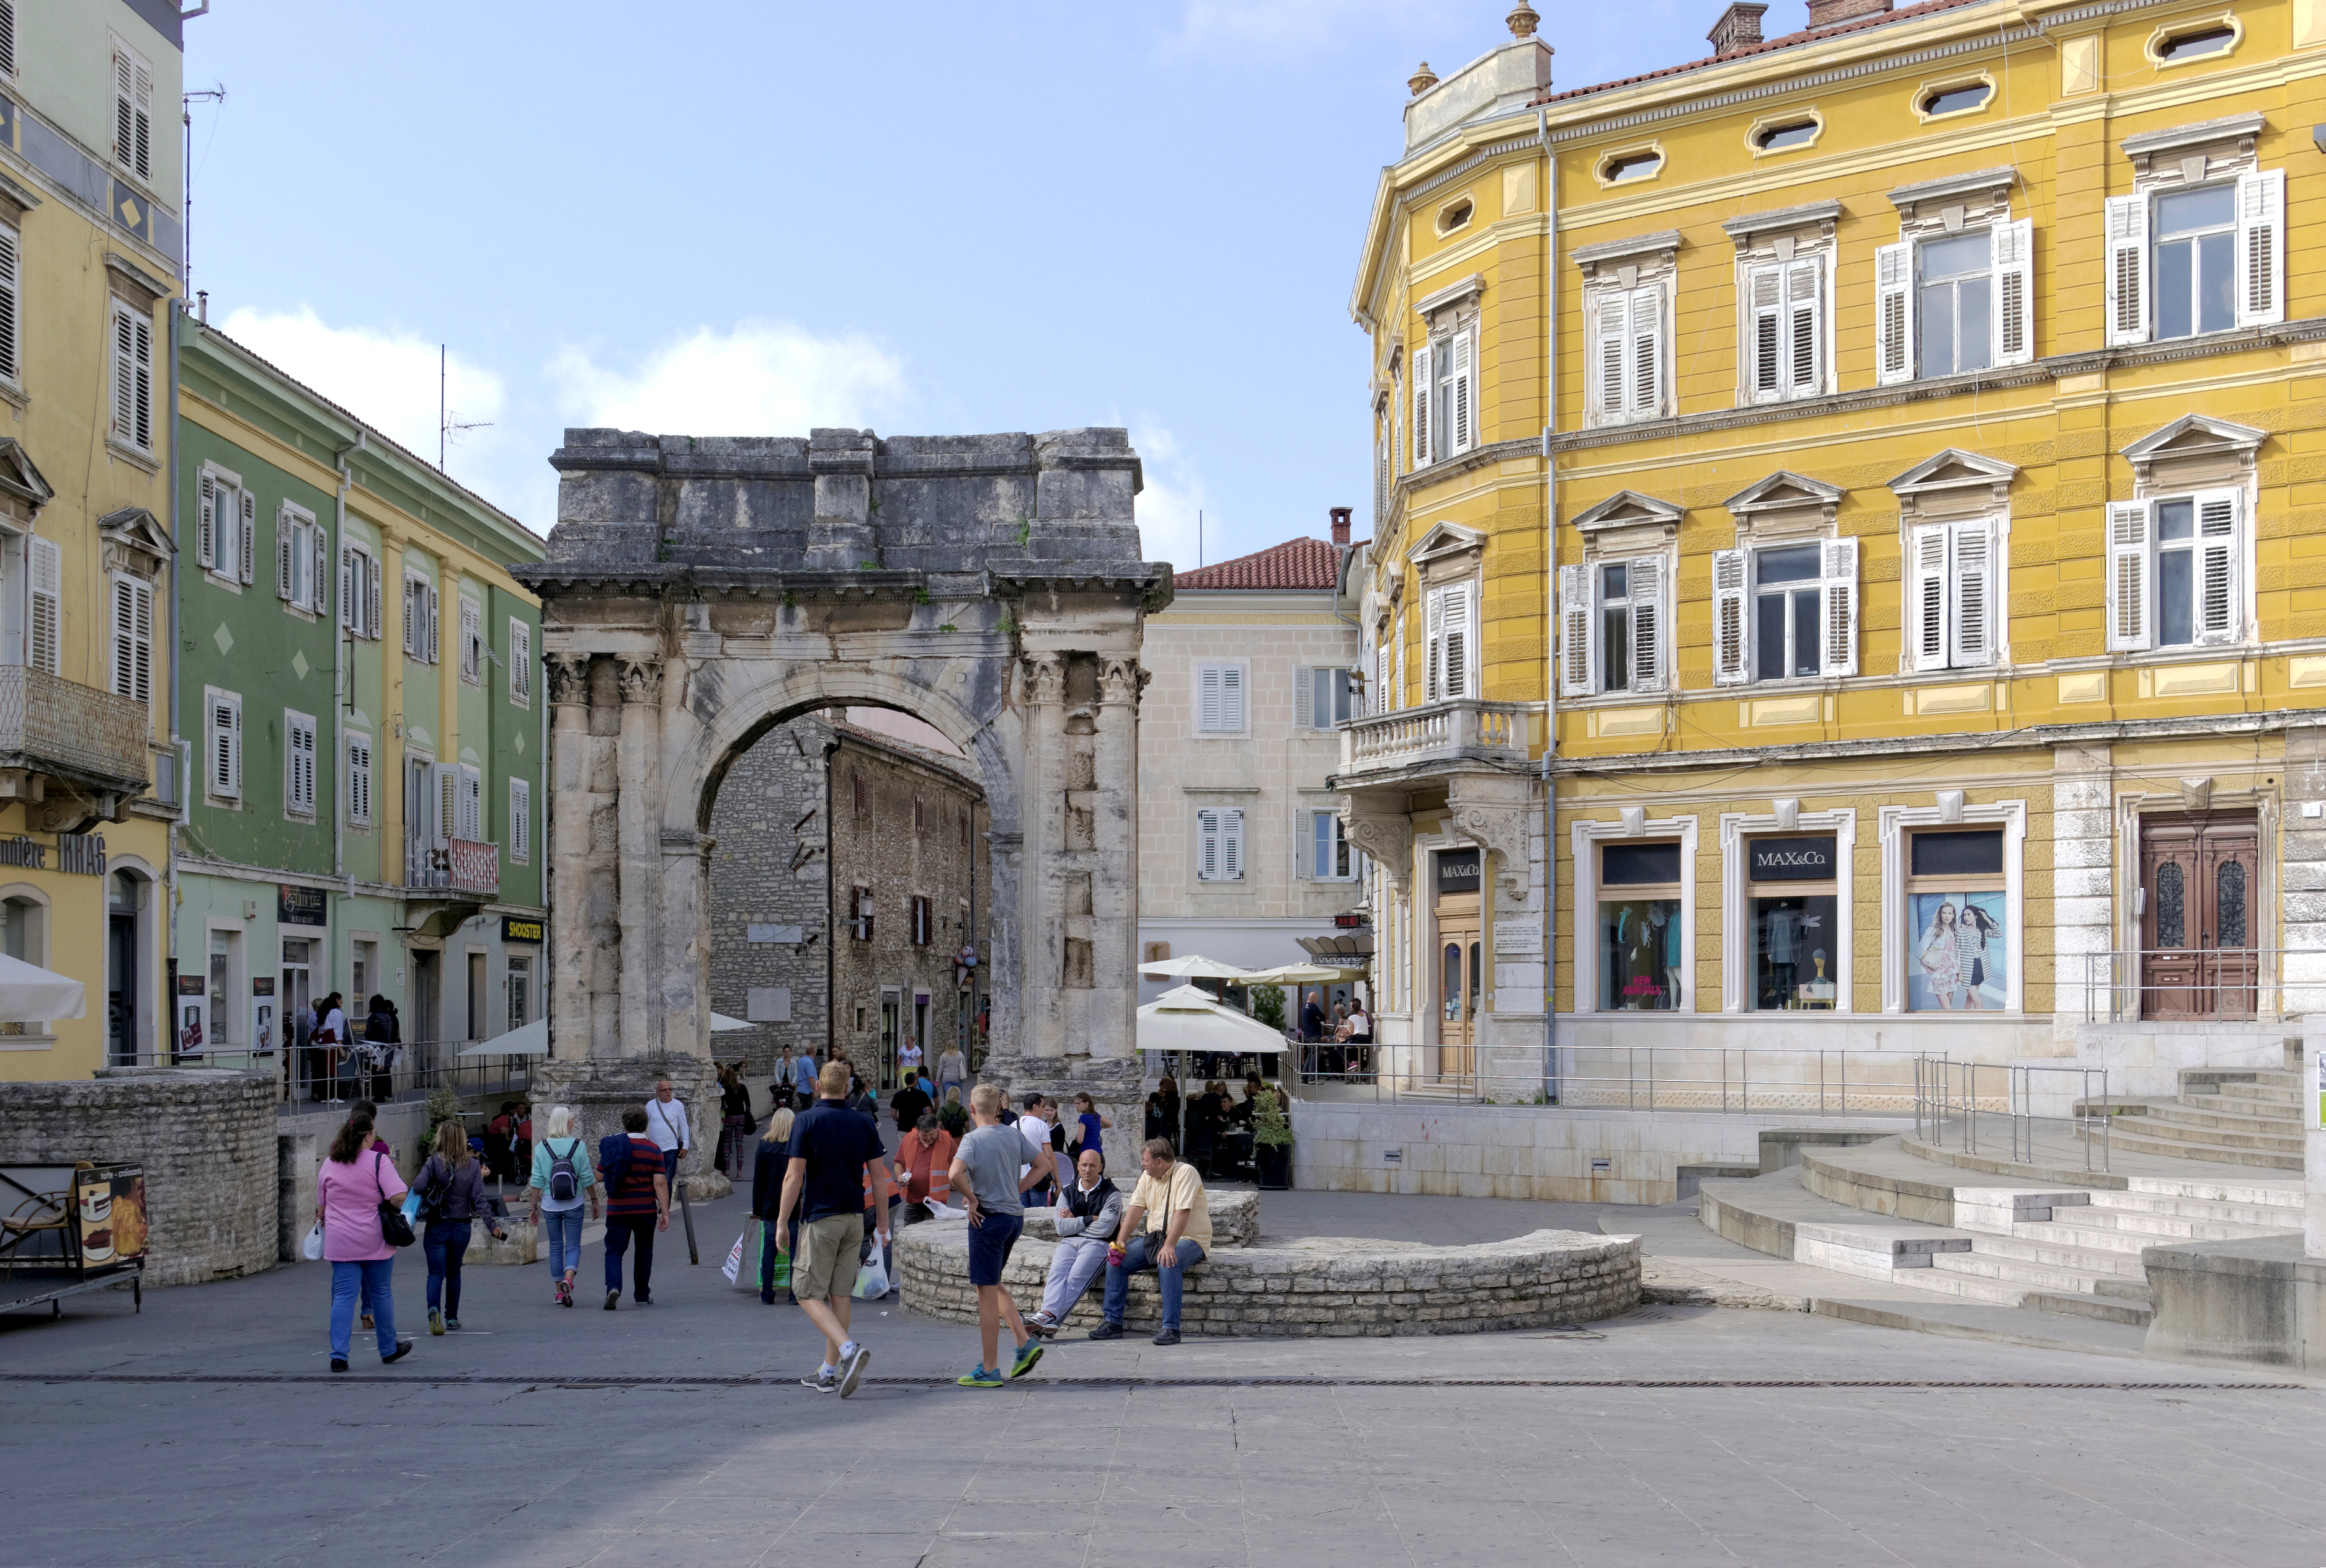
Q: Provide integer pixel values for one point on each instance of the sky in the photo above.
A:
(723, 218)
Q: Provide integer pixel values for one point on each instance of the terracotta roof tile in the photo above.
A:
(1295, 564)
(1786, 41)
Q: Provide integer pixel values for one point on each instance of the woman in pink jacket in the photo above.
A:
(354, 1182)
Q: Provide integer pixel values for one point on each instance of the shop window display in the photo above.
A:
(1956, 910)
(1796, 936)
(1640, 928)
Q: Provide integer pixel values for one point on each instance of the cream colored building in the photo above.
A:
(1241, 849)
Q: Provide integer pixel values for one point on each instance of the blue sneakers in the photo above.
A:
(979, 1378)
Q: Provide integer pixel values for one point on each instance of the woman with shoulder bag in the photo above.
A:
(354, 1204)
(451, 1200)
(563, 1180)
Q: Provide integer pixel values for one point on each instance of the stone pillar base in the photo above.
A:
(1112, 1082)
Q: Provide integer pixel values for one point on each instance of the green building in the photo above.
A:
(360, 694)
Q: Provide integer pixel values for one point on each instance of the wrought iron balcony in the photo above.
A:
(54, 728)
(459, 869)
(1464, 729)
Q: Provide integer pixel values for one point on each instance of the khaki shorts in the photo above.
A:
(827, 1264)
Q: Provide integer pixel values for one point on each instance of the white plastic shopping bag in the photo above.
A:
(945, 1211)
(872, 1277)
(312, 1248)
(734, 1263)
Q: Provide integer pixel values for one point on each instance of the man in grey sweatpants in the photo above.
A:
(1089, 1213)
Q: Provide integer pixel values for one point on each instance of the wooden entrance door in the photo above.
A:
(1460, 990)
(2199, 929)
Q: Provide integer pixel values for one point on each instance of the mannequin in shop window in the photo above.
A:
(1781, 943)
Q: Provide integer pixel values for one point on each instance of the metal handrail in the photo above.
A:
(1951, 1097)
(421, 1066)
(1807, 1080)
(2206, 982)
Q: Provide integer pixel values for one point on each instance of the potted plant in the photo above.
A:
(1268, 1006)
(1271, 1140)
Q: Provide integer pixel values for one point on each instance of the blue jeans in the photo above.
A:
(621, 1231)
(562, 1227)
(372, 1278)
(1170, 1280)
(446, 1243)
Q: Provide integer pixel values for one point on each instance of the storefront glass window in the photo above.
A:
(1796, 938)
(1640, 928)
(1955, 922)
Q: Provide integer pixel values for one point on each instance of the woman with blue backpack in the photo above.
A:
(561, 1183)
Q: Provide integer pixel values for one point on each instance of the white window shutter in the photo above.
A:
(448, 800)
(12, 303)
(2129, 624)
(47, 564)
(1926, 604)
(1647, 352)
(1397, 685)
(1764, 332)
(286, 536)
(1977, 579)
(132, 639)
(520, 821)
(1231, 845)
(206, 526)
(1732, 627)
(347, 584)
(1433, 630)
(1232, 698)
(1207, 846)
(473, 804)
(225, 746)
(521, 664)
(319, 586)
(2014, 313)
(1575, 631)
(1612, 380)
(1643, 583)
(249, 537)
(2126, 277)
(359, 787)
(1418, 373)
(434, 652)
(1894, 313)
(1837, 568)
(1456, 625)
(371, 598)
(1208, 684)
(124, 375)
(1384, 695)
(1464, 411)
(7, 37)
(473, 632)
(410, 618)
(2261, 247)
(1804, 327)
(2220, 599)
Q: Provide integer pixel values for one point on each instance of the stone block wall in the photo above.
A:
(1320, 1287)
(205, 1139)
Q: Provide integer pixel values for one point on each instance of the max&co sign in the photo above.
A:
(1792, 859)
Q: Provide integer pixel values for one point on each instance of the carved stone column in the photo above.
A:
(569, 854)
(638, 816)
(1042, 1032)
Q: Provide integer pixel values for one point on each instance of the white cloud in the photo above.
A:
(386, 379)
(761, 377)
(1172, 502)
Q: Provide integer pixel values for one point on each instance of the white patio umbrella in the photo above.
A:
(1192, 967)
(29, 993)
(1304, 975)
(529, 1040)
(1184, 1019)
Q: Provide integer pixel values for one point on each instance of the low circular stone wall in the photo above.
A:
(1315, 1287)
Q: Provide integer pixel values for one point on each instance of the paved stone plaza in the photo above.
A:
(1744, 1437)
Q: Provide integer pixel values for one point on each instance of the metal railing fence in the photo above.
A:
(2195, 984)
(1967, 1104)
(1807, 1080)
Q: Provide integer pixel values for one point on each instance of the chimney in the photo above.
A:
(1738, 29)
(1340, 515)
(1826, 12)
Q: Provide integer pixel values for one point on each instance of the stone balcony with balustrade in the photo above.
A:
(73, 752)
(1437, 738)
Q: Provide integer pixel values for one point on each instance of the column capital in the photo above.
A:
(1121, 680)
(1046, 678)
(641, 679)
(569, 679)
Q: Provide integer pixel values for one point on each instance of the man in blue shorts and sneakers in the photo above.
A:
(990, 1170)
(831, 1146)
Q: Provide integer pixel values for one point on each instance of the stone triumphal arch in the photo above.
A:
(699, 591)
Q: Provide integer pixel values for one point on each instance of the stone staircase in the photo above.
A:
(2223, 1116)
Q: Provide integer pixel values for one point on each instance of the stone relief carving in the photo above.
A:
(1387, 838)
(1046, 678)
(1121, 681)
(641, 680)
(1502, 831)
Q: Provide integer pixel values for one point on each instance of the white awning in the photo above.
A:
(30, 994)
(721, 1024)
(1185, 1019)
(531, 1040)
(1192, 967)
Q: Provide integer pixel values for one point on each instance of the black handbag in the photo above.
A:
(393, 1228)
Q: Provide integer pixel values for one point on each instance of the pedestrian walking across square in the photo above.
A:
(989, 1172)
(637, 1205)
(833, 1149)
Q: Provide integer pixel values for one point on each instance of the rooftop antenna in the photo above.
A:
(446, 425)
(210, 95)
(1199, 538)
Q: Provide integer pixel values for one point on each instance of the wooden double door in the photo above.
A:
(1461, 952)
(2201, 929)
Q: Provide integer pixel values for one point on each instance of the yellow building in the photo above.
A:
(1930, 629)
(90, 248)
